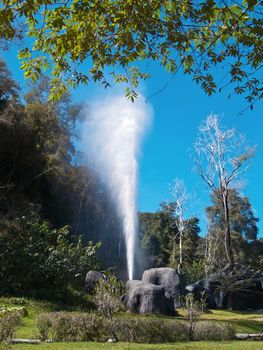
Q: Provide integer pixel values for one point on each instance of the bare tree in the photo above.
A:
(178, 192)
(221, 158)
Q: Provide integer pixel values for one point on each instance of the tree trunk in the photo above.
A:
(230, 300)
(228, 247)
(179, 268)
(173, 253)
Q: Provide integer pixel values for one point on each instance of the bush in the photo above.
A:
(108, 294)
(67, 326)
(43, 323)
(9, 322)
(22, 310)
(63, 326)
(205, 330)
(145, 330)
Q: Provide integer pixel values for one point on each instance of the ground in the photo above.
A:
(230, 345)
(242, 321)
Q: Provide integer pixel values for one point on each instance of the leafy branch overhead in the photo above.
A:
(79, 41)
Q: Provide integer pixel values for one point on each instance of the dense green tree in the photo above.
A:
(69, 35)
(42, 176)
(8, 87)
(156, 231)
(243, 225)
(160, 240)
(255, 254)
(39, 261)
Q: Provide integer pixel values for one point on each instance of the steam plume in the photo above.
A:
(112, 136)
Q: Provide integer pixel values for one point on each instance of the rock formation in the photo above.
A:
(166, 277)
(156, 292)
(92, 277)
(238, 287)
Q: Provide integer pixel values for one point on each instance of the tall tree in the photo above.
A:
(221, 157)
(41, 174)
(69, 35)
(160, 238)
(157, 232)
(178, 191)
(243, 225)
(8, 87)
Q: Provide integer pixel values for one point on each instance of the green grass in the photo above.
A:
(244, 322)
(226, 315)
(230, 345)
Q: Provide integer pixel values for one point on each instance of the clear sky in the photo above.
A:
(178, 111)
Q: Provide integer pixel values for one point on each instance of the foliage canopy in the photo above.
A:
(118, 35)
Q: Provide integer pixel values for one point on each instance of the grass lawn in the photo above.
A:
(243, 322)
(230, 345)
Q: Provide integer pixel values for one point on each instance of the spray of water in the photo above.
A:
(112, 136)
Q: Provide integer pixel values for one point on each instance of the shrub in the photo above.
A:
(22, 310)
(108, 294)
(19, 301)
(67, 326)
(193, 309)
(43, 323)
(205, 330)
(9, 322)
(63, 326)
(145, 330)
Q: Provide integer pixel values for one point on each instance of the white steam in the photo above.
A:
(112, 135)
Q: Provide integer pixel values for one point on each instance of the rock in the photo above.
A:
(166, 277)
(111, 340)
(245, 284)
(147, 298)
(200, 292)
(92, 277)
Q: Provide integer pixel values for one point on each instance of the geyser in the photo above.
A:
(112, 135)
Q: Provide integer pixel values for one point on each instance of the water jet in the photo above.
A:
(112, 136)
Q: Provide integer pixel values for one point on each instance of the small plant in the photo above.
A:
(193, 309)
(108, 299)
(108, 296)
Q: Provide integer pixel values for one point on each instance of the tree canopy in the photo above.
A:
(51, 205)
(244, 229)
(160, 241)
(81, 41)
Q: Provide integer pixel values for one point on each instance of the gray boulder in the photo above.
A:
(199, 292)
(238, 287)
(147, 298)
(166, 277)
(92, 277)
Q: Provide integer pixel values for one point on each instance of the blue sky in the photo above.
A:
(178, 111)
